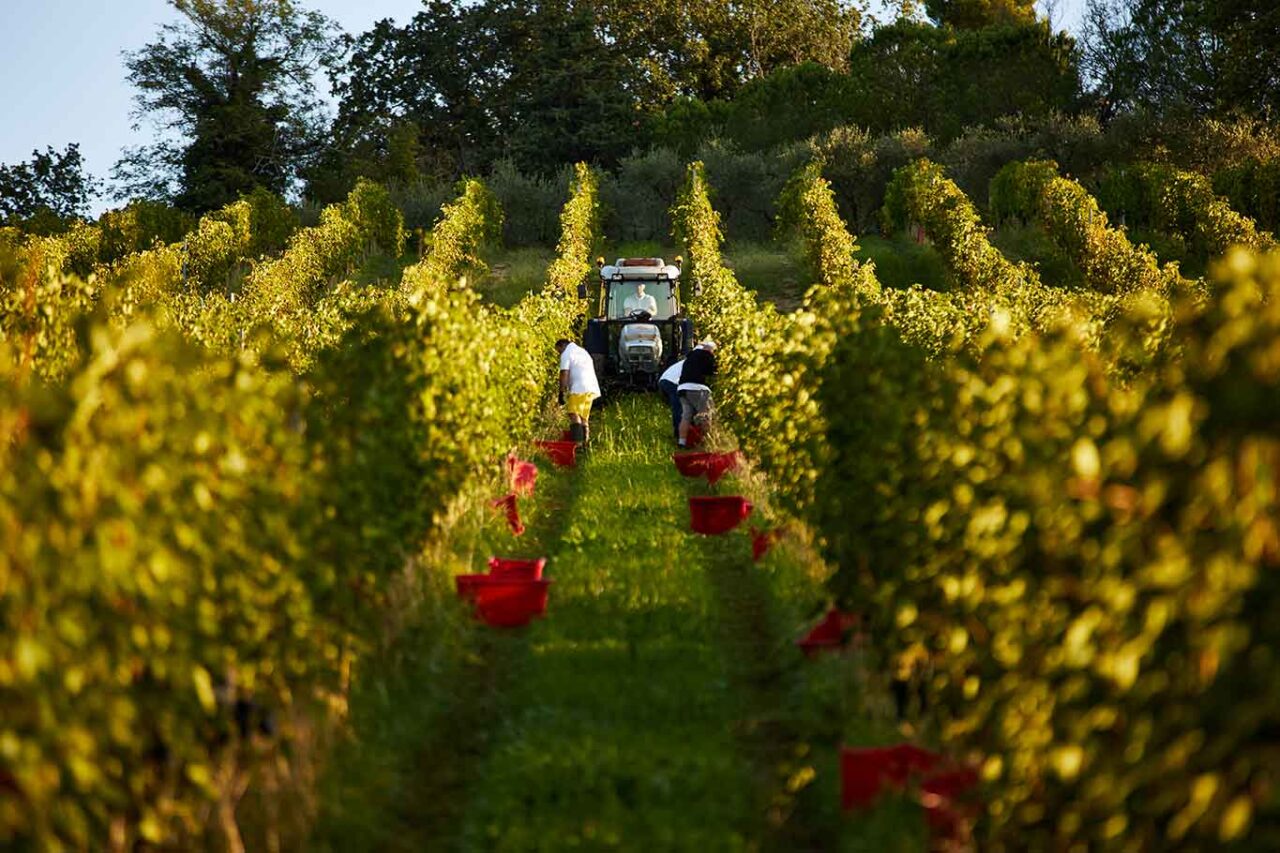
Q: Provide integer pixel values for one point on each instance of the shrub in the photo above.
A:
(466, 225)
(1182, 204)
(579, 233)
(139, 226)
(922, 194)
(280, 292)
(208, 542)
(860, 167)
(635, 198)
(1072, 217)
(807, 208)
(747, 186)
(1084, 561)
(528, 205)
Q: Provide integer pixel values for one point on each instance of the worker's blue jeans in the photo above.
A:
(668, 390)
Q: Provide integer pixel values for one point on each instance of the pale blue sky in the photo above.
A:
(62, 79)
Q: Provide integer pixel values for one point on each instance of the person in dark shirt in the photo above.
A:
(694, 390)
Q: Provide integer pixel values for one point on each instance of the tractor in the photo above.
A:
(639, 329)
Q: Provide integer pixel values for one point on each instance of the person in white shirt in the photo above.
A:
(640, 301)
(579, 387)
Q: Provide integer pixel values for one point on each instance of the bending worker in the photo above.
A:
(695, 394)
(578, 387)
(667, 387)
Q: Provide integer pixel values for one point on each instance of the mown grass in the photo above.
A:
(619, 736)
(514, 273)
(772, 271)
(661, 705)
(797, 712)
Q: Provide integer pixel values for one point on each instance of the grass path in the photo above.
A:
(619, 731)
(661, 705)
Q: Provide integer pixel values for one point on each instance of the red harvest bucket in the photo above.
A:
(865, 772)
(523, 476)
(509, 569)
(712, 516)
(862, 776)
(511, 603)
(762, 541)
(827, 634)
(692, 464)
(950, 783)
(906, 759)
(566, 435)
(562, 453)
(713, 466)
(511, 509)
(720, 464)
(468, 585)
(947, 810)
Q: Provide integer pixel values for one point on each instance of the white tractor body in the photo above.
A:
(640, 348)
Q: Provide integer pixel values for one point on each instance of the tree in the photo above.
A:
(440, 72)
(50, 183)
(707, 49)
(1205, 57)
(229, 87)
(791, 103)
(976, 14)
(573, 96)
(911, 74)
(551, 81)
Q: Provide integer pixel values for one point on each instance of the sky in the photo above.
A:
(62, 78)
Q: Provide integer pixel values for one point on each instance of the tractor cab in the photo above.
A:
(639, 328)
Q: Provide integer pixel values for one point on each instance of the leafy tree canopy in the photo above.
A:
(1206, 57)
(552, 81)
(50, 184)
(229, 88)
(910, 74)
(975, 14)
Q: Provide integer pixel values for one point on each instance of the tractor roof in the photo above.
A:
(640, 269)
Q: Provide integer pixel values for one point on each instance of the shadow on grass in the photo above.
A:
(422, 711)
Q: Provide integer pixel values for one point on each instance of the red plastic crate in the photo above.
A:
(692, 464)
(713, 466)
(517, 569)
(949, 807)
(506, 603)
(865, 772)
(829, 633)
(712, 516)
(468, 585)
(561, 453)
